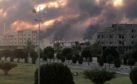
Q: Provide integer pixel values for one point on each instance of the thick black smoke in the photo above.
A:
(104, 13)
(91, 30)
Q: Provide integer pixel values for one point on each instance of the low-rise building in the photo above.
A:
(120, 36)
(18, 39)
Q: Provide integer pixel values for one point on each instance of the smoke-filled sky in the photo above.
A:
(65, 19)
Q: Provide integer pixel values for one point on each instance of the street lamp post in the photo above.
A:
(39, 26)
(39, 52)
(39, 19)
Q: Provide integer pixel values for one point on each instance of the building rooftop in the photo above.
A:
(119, 28)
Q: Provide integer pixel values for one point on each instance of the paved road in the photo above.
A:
(110, 67)
(94, 65)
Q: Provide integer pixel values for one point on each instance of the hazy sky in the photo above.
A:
(65, 19)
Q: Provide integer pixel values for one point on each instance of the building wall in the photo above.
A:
(25, 36)
(122, 36)
(19, 39)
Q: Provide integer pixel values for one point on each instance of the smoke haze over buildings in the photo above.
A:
(66, 19)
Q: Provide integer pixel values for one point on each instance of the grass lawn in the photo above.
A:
(120, 79)
(24, 74)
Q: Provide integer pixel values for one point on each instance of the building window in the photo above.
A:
(110, 36)
(110, 42)
(132, 30)
(121, 36)
(121, 42)
(98, 36)
(132, 42)
(132, 36)
(102, 36)
(102, 42)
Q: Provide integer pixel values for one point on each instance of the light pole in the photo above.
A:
(39, 25)
(39, 19)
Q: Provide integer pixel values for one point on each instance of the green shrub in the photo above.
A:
(7, 66)
(54, 74)
(98, 77)
(133, 76)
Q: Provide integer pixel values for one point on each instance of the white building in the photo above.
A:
(120, 36)
(18, 39)
(63, 44)
(70, 44)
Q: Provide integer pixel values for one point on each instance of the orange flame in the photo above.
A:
(21, 25)
(2, 13)
(118, 3)
(53, 4)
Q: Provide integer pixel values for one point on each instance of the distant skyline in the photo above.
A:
(65, 19)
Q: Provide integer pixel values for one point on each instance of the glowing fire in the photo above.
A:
(97, 2)
(53, 4)
(2, 13)
(20, 25)
(40, 7)
(49, 23)
(1, 0)
(118, 3)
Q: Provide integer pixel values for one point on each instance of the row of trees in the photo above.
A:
(22, 53)
(69, 54)
(130, 58)
(75, 53)
(19, 54)
(79, 54)
(111, 56)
